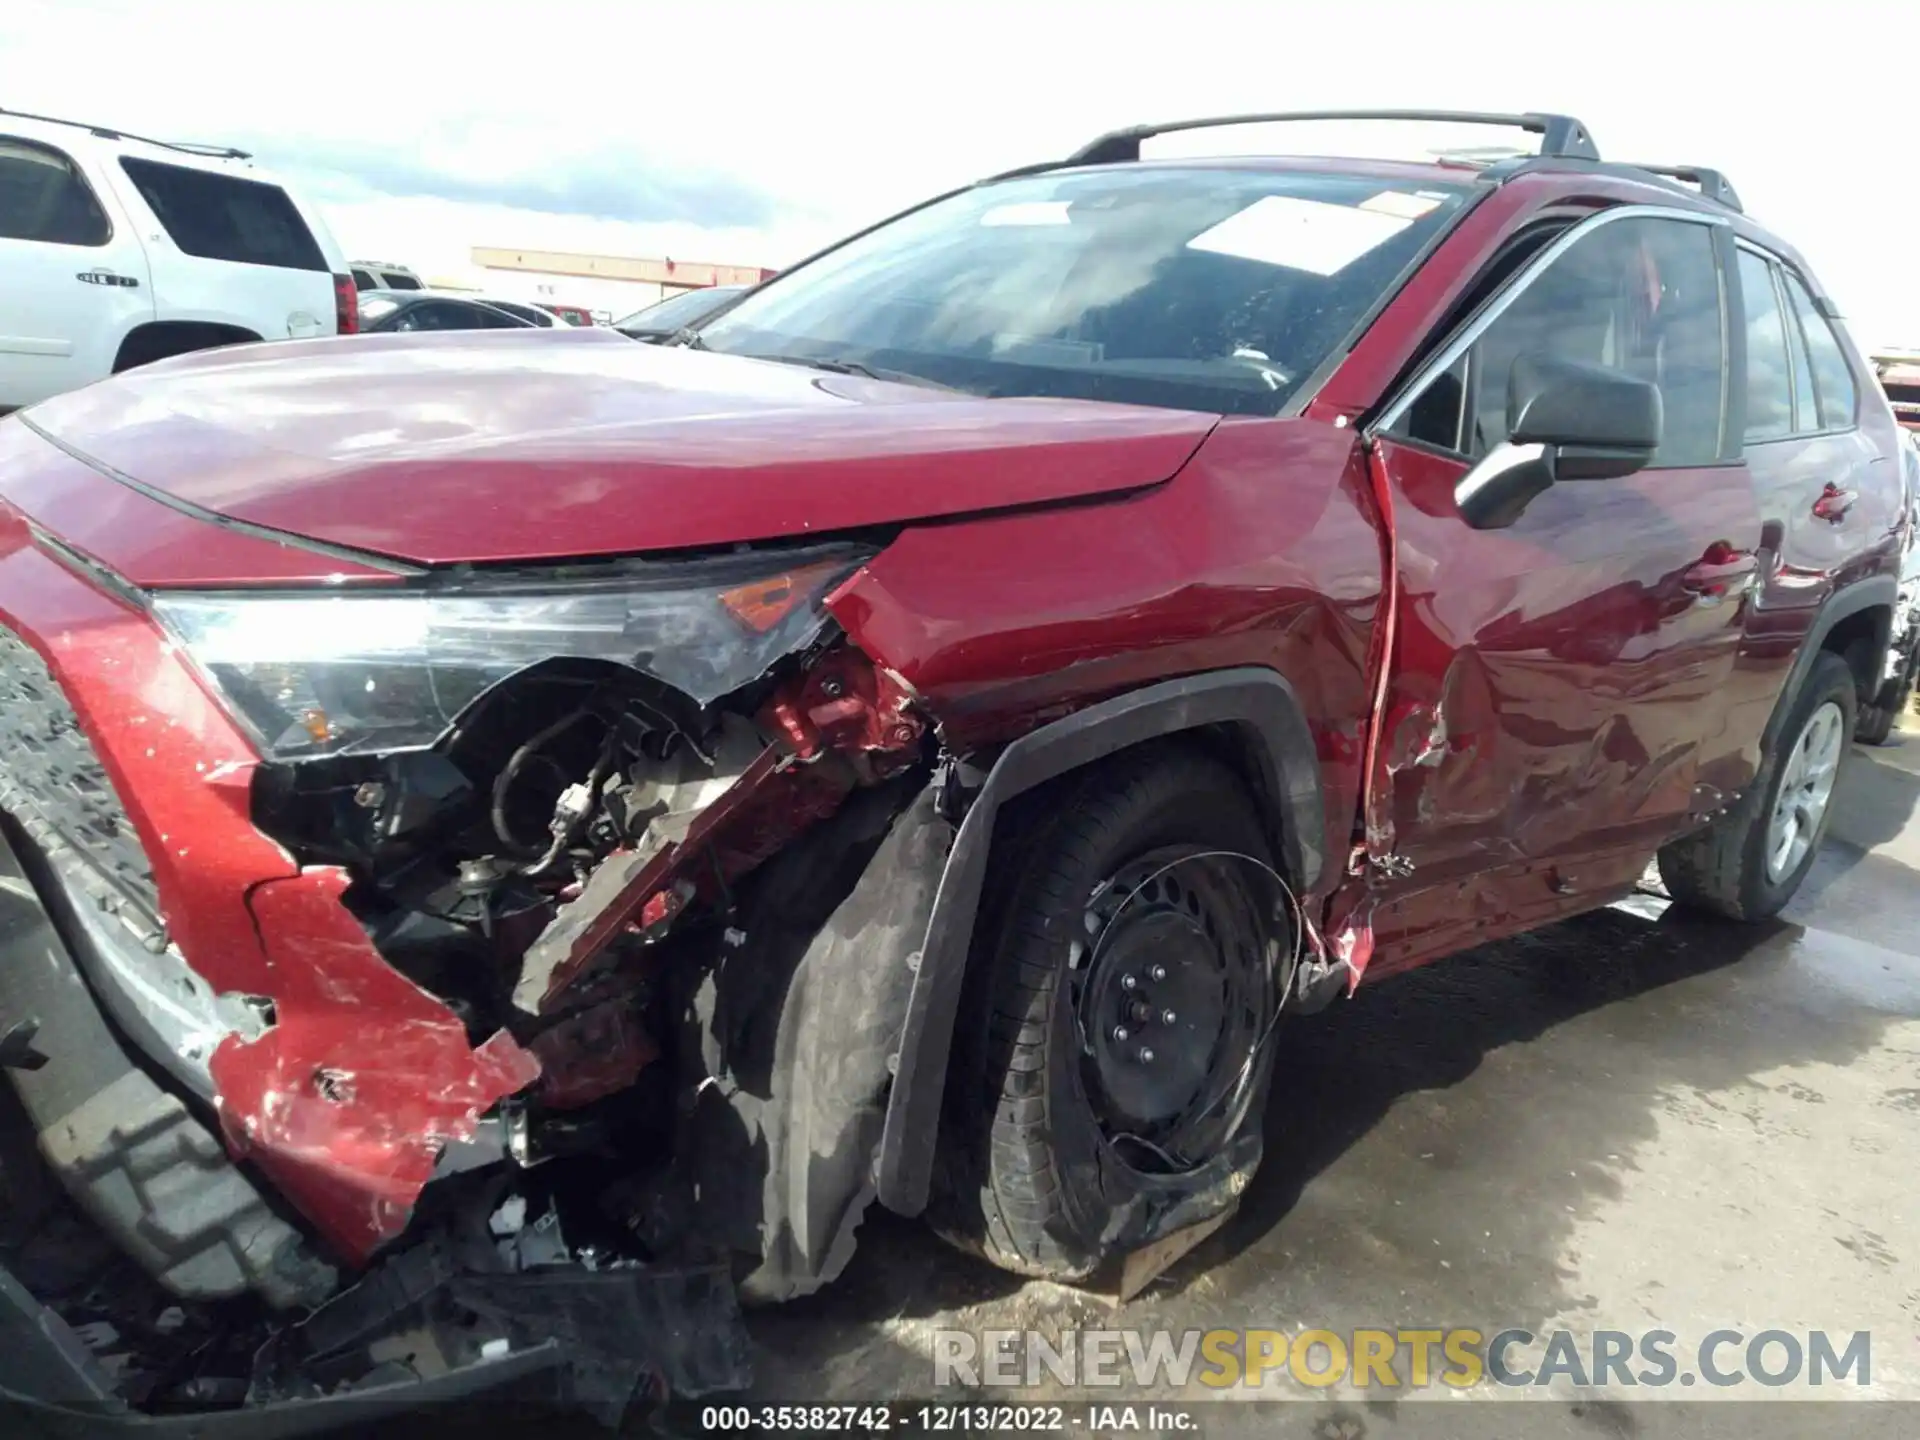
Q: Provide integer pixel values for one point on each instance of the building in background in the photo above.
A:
(1899, 372)
(605, 284)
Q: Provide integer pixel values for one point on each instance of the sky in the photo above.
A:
(752, 132)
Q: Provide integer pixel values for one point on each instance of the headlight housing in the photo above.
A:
(315, 673)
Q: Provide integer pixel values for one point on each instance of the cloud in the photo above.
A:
(596, 184)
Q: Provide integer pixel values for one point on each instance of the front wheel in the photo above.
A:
(1111, 1057)
(1748, 864)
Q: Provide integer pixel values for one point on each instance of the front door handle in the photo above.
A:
(1720, 573)
(1834, 503)
(100, 275)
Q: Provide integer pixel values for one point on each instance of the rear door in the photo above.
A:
(1556, 687)
(72, 282)
(229, 249)
(1821, 508)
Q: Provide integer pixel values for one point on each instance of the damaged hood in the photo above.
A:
(525, 445)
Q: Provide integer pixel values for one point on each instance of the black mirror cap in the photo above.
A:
(1580, 408)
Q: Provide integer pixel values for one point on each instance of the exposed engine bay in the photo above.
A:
(594, 873)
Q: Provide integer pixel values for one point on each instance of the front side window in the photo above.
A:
(223, 217)
(1639, 295)
(44, 198)
(1770, 381)
(1202, 288)
(1833, 377)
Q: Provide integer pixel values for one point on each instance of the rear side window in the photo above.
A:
(1806, 413)
(223, 217)
(453, 315)
(44, 198)
(399, 282)
(364, 281)
(1769, 366)
(1832, 376)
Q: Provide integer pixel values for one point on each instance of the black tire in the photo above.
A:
(1029, 1177)
(1723, 869)
(1876, 721)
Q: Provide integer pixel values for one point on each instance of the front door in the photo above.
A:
(72, 284)
(1555, 685)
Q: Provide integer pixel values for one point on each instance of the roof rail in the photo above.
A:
(105, 132)
(1711, 183)
(1561, 136)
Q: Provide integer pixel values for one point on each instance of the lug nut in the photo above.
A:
(1157, 973)
(1146, 1056)
(1167, 1017)
(1127, 982)
(1119, 1033)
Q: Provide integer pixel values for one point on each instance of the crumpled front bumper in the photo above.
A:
(51, 1386)
(239, 974)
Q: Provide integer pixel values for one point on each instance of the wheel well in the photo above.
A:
(162, 338)
(1237, 745)
(1234, 744)
(1861, 640)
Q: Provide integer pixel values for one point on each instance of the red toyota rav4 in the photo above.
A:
(529, 821)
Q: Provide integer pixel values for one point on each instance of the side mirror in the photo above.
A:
(1565, 421)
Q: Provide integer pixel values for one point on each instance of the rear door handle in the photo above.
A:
(1722, 572)
(1834, 503)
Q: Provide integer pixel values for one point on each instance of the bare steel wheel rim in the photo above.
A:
(1174, 991)
(1805, 788)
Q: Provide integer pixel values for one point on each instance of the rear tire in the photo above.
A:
(1055, 1106)
(1876, 722)
(1748, 863)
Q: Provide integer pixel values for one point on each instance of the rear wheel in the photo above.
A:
(1111, 1059)
(1877, 720)
(1748, 864)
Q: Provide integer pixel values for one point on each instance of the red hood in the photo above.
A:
(553, 443)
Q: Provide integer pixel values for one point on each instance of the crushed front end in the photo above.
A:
(417, 972)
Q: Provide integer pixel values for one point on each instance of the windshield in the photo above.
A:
(1194, 288)
(664, 316)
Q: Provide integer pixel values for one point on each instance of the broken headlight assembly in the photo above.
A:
(322, 673)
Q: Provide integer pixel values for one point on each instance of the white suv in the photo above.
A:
(117, 250)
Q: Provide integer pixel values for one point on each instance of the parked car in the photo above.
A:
(117, 250)
(388, 311)
(532, 314)
(378, 275)
(528, 816)
(1879, 717)
(572, 314)
(666, 318)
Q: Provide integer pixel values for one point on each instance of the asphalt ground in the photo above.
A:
(1633, 1121)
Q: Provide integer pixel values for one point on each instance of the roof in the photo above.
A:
(180, 149)
(1566, 146)
(471, 297)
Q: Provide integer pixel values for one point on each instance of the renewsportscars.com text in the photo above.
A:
(1457, 1358)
